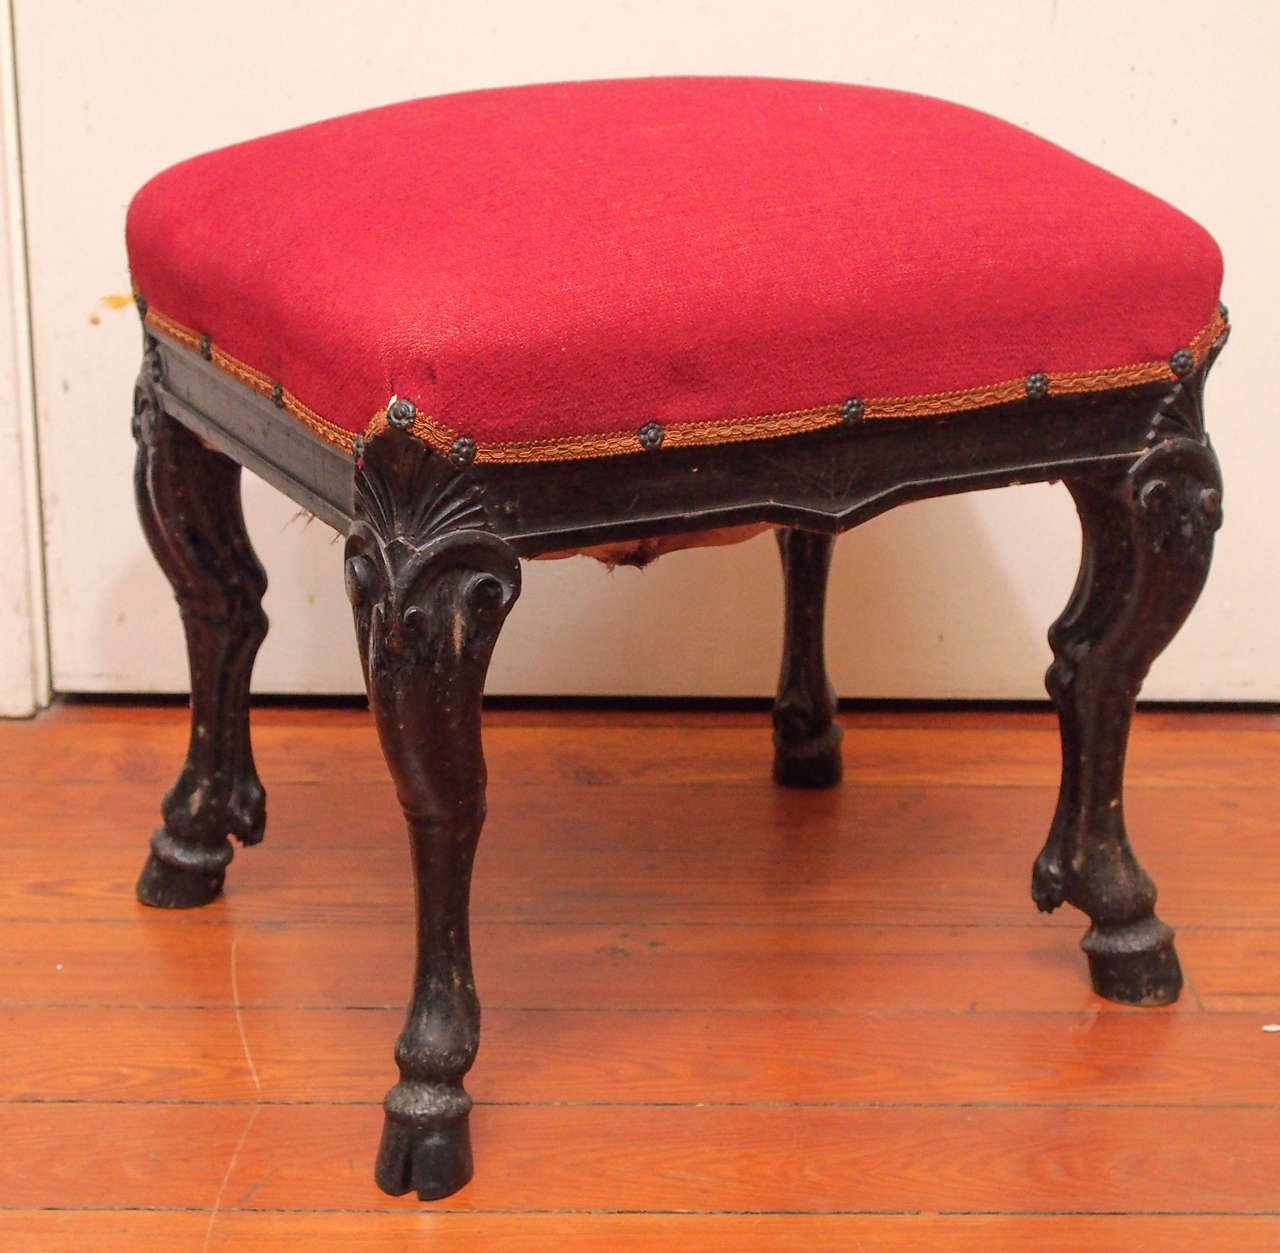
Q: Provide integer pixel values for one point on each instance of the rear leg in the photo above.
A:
(806, 737)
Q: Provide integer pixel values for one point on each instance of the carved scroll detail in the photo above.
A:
(1181, 413)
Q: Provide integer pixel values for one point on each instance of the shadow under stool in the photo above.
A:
(623, 317)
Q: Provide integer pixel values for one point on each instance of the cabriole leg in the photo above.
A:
(1148, 540)
(430, 589)
(189, 502)
(806, 738)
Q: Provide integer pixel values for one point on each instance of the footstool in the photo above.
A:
(623, 317)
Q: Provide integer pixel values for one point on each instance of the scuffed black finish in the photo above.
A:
(432, 570)
(1148, 541)
(189, 501)
(430, 587)
(806, 737)
(828, 481)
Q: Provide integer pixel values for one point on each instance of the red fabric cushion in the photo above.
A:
(546, 269)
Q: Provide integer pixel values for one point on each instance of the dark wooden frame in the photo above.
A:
(432, 567)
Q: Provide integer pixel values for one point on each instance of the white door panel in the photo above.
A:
(948, 598)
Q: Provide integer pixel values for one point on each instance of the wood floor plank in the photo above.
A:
(662, 818)
(853, 855)
(1235, 970)
(602, 1056)
(636, 1158)
(108, 1230)
(702, 993)
(117, 1231)
(843, 883)
(307, 750)
(119, 1156)
(160, 959)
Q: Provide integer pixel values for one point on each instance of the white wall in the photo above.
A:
(947, 598)
(23, 661)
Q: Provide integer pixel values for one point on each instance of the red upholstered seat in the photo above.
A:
(548, 269)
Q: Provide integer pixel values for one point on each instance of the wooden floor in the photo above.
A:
(718, 1014)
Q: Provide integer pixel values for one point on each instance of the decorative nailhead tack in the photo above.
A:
(462, 452)
(401, 412)
(141, 301)
(357, 447)
(852, 410)
(206, 347)
(1182, 362)
(277, 395)
(1038, 385)
(651, 435)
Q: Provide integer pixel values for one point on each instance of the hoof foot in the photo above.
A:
(432, 1159)
(1134, 965)
(174, 887)
(813, 763)
(179, 876)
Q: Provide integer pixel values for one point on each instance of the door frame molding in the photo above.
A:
(24, 659)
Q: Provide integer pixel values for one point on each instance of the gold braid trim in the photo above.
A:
(328, 431)
(711, 431)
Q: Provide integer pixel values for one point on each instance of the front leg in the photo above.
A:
(806, 737)
(188, 499)
(430, 588)
(1148, 540)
